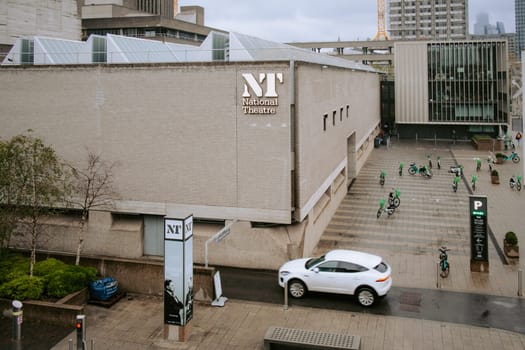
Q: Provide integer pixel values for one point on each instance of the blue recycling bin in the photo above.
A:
(103, 289)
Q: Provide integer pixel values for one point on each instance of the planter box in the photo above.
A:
(494, 179)
(511, 251)
(486, 143)
(63, 312)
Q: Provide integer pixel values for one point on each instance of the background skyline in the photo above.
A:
(307, 20)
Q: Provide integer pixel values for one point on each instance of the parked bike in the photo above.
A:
(443, 262)
(455, 183)
(389, 210)
(513, 156)
(474, 180)
(490, 161)
(456, 170)
(478, 164)
(393, 198)
(423, 170)
(515, 181)
(382, 177)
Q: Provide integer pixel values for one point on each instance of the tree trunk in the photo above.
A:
(80, 237)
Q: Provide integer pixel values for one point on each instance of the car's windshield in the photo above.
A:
(314, 261)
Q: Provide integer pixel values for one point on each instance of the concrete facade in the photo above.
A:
(37, 17)
(191, 139)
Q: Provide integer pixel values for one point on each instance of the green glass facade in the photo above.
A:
(467, 82)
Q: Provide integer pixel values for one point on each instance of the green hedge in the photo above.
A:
(511, 238)
(13, 266)
(22, 288)
(71, 279)
(480, 137)
(52, 278)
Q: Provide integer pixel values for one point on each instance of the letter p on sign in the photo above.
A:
(478, 204)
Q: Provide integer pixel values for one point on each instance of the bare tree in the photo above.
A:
(92, 188)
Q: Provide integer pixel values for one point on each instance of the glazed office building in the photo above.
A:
(461, 86)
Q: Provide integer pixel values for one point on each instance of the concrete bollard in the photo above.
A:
(18, 316)
(520, 283)
(285, 295)
(438, 285)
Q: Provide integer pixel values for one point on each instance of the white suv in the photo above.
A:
(361, 274)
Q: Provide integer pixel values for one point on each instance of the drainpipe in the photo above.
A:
(293, 135)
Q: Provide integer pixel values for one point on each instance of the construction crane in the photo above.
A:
(381, 22)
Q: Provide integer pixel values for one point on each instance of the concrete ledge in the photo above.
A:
(141, 276)
(60, 312)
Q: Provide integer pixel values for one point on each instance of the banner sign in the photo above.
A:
(178, 271)
(478, 229)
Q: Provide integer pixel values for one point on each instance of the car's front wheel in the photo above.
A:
(366, 297)
(296, 288)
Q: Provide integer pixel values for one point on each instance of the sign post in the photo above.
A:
(178, 277)
(479, 251)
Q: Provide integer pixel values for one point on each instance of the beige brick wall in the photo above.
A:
(177, 132)
(323, 91)
(184, 146)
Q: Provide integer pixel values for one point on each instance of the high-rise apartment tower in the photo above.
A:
(519, 8)
(428, 19)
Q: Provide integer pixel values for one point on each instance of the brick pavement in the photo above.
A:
(430, 214)
(136, 325)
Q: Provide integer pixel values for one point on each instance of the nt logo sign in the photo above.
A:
(260, 95)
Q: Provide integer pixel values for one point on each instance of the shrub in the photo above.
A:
(52, 278)
(48, 266)
(511, 238)
(500, 155)
(494, 172)
(71, 279)
(23, 288)
(13, 266)
(479, 137)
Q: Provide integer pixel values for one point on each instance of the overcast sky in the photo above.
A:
(309, 20)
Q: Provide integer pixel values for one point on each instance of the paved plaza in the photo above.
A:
(430, 215)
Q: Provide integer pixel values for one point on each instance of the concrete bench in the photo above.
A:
(304, 339)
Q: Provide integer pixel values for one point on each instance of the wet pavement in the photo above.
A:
(430, 304)
(35, 335)
(467, 310)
